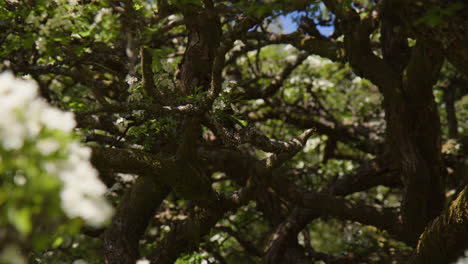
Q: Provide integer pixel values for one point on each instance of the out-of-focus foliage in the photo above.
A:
(45, 175)
(86, 57)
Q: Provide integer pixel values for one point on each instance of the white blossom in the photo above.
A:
(15, 95)
(53, 118)
(41, 43)
(216, 237)
(131, 80)
(23, 115)
(34, 19)
(47, 146)
(300, 165)
(322, 84)
(142, 261)
(295, 79)
(242, 60)
(238, 45)
(219, 104)
(356, 80)
(291, 58)
(316, 61)
(56, 21)
(311, 144)
(19, 179)
(463, 259)
(101, 13)
(82, 193)
(75, 36)
(289, 48)
(173, 18)
(258, 102)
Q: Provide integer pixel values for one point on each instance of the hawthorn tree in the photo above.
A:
(223, 139)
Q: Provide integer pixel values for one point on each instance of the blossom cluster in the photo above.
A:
(28, 125)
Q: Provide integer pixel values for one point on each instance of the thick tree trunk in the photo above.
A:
(130, 222)
(413, 125)
(449, 99)
(413, 130)
(445, 239)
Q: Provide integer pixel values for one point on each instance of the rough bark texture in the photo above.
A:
(413, 126)
(444, 240)
(204, 34)
(414, 131)
(129, 224)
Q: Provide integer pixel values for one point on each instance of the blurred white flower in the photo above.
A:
(32, 18)
(53, 118)
(238, 45)
(23, 114)
(356, 80)
(15, 96)
(41, 43)
(242, 60)
(295, 79)
(47, 146)
(101, 13)
(291, 58)
(75, 36)
(311, 144)
(80, 261)
(19, 179)
(316, 61)
(216, 237)
(258, 102)
(131, 80)
(219, 104)
(142, 261)
(57, 20)
(289, 48)
(173, 18)
(463, 259)
(300, 165)
(83, 193)
(322, 84)
(15, 92)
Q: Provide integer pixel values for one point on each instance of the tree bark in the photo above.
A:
(413, 130)
(445, 238)
(449, 34)
(130, 222)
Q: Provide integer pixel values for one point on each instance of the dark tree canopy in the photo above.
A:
(223, 139)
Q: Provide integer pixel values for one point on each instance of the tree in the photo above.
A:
(222, 139)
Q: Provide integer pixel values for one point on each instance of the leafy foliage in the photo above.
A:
(199, 136)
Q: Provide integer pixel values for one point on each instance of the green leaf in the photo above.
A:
(57, 242)
(21, 219)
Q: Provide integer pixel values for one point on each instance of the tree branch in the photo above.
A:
(444, 240)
